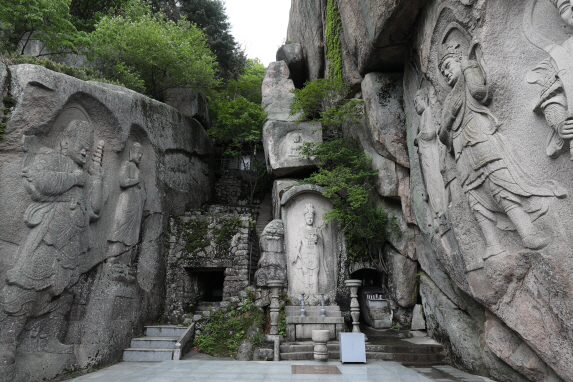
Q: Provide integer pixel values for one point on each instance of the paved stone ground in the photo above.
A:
(268, 371)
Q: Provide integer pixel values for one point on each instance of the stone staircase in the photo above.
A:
(203, 309)
(157, 345)
(382, 345)
(265, 214)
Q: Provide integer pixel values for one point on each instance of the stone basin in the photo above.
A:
(320, 335)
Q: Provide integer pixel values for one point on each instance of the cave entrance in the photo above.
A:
(210, 281)
(369, 277)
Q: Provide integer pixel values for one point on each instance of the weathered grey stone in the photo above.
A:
(76, 155)
(277, 92)
(292, 54)
(509, 347)
(245, 352)
(373, 33)
(280, 186)
(306, 28)
(272, 264)
(190, 103)
(401, 278)
(385, 115)
(418, 322)
(281, 141)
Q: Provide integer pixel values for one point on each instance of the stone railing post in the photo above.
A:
(353, 285)
(275, 286)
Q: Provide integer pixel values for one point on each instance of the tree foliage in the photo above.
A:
(239, 130)
(211, 17)
(345, 172)
(85, 14)
(46, 20)
(344, 169)
(324, 101)
(150, 53)
(248, 84)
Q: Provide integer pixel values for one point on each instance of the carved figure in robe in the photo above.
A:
(65, 199)
(309, 262)
(499, 192)
(272, 264)
(429, 154)
(555, 76)
(296, 143)
(129, 210)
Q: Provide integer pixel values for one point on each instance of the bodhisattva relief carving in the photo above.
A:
(555, 77)
(309, 256)
(500, 194)
(429, 153)
(129, 209)
(66, 197)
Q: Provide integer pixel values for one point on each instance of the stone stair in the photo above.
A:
(204, 308)
(157, 345)
(387, 345)
(265, 214)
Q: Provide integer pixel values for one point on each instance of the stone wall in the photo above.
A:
(90, 175)
(222, 238)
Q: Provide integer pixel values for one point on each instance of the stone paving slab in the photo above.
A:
(268, 371)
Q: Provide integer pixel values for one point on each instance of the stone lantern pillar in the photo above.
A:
(353, 285)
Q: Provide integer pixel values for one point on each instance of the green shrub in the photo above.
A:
(345, 172)
(226, 328)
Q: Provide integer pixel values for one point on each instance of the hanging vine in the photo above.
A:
(332, 40)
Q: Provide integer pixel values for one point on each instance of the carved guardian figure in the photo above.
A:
(65, 199)
(499, 192)
(555, 77)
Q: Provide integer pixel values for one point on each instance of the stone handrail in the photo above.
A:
(183, 341)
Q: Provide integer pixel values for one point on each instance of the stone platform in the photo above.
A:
(300, 328)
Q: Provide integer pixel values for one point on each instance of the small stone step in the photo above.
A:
(154, 342)
(297, 356)
(165, 331)
(147, 355)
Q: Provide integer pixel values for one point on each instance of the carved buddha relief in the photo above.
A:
(429, 152)
(124, 232)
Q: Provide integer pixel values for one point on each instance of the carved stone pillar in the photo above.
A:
(275, 286)
(354, 305)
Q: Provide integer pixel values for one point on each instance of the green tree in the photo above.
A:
(239, 130)
(151, 53)
(346, 174)
(46, 20)
(248, 84)
(324, 101)
(344, 169)
(211, 17)
(85, 14)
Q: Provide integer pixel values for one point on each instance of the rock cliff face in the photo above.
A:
(90, 175)
(482, 104)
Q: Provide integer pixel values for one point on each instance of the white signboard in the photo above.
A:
(352, 347)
